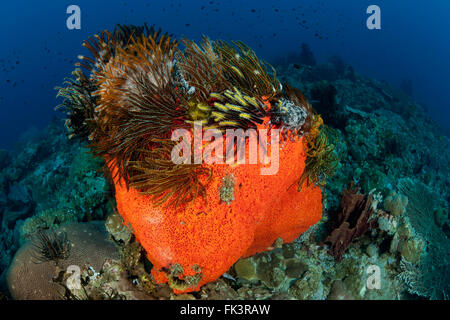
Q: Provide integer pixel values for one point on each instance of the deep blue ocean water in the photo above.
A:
(37, 50)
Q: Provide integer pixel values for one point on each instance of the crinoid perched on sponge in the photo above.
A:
(196, 217)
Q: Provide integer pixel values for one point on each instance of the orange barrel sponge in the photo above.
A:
(196, 220)
(196, 243)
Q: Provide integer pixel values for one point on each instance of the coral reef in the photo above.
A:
(306, 56)
(321, 161)
(353, 220)
(89, 248)
(395, 203)
(385, 141)
(4, 158)
(50, 246)
(109, 283)
(117, 228)
(48, 182)
(426, 264)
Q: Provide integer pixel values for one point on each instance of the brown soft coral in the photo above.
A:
(353, 220)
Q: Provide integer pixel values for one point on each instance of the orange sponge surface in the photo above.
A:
(207, 237)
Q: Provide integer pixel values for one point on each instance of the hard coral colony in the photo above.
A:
(195, 220)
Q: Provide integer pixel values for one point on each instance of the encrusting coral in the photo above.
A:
(196, 220)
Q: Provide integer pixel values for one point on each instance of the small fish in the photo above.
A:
(220, 106)
(229, 277)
